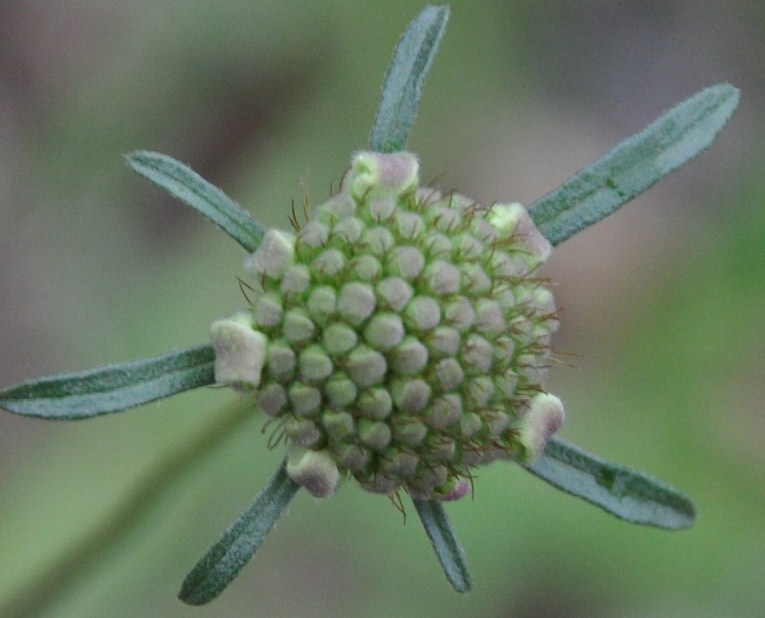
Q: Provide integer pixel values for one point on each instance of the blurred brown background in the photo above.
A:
(662, 333)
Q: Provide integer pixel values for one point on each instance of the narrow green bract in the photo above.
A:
(112, 388)
(221, 564)
(406, 75)
(626, 493)
(185, 184)
(634, 165)
(448, 551)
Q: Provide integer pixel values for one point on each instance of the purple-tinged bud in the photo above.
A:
(375, 175)
(512, 220)
(442, 278)
(453, 489)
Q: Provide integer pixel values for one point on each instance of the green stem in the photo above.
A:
(64, 574)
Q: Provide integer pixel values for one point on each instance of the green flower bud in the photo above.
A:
(298, 326)
(446, 411)
(374, 434)
(271, 398)
(409, 357)
(366, 366)
(281, 361)
(384, 331)
(268, 311)
(322, 303)
(305, 400)
(339, 339)
(375, 403)
(395, 293)
(400, 463)
(314, 364)
(340, 391)
(356, 302)
(423, 313)
(404, 336)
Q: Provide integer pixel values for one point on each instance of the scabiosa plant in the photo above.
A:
(398, 336)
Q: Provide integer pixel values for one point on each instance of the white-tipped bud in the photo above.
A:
(445, 341)
(314, 470)
(329, 263)
(274, 256)
(313, 235)
(543, 418)
(374, 175)
(410, 224)
(513, 220)
(240, 351)
(490, 318)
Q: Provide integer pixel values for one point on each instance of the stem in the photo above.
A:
(64, 574)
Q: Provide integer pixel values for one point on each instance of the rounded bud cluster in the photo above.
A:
(400, 337)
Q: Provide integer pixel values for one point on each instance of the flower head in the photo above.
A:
(401, 336)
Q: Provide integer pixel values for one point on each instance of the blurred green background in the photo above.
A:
(662, 338)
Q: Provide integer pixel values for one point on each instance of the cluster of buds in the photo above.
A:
(400, 337)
